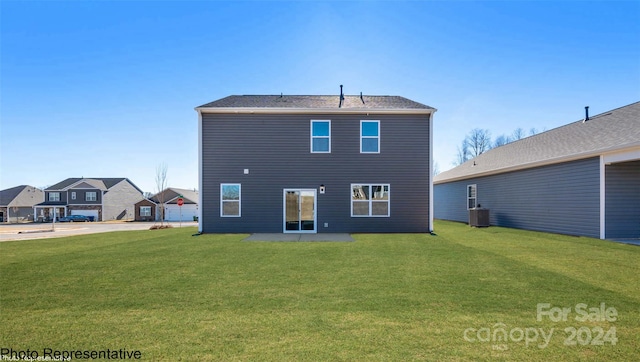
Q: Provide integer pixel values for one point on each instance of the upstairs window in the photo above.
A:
(73, 195)
(369, 136)
(91, 196)
(54, 196)
(321, 136)
(472, 196)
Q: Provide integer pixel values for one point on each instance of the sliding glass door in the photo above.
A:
(299, 211)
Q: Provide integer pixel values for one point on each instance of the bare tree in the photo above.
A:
(463, 153)
(436, 169)
(479, 141)
(501, 141)
(517, 134)
(161, 185)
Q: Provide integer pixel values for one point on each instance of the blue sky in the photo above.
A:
(108, 89)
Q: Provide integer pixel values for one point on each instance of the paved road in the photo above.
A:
(41, 231)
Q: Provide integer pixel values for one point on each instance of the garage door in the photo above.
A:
(93, 213)
(188, 212)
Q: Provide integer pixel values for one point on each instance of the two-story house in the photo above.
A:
(101, 198)
(309, 164)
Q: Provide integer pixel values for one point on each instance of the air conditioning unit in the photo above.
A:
(479, 217)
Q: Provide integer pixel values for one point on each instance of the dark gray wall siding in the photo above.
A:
(81, 197)
(16, 213)
(63, 195)
(562, 198)
(622, 197)
(276, 150)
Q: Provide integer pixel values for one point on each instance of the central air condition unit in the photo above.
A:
(479, 217)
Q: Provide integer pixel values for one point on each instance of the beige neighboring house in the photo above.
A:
(16, 203)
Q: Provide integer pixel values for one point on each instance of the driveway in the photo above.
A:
(42, 231)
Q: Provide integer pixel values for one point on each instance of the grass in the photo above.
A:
(173, 296)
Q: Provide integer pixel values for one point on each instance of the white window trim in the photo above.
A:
(145, 208)
(376, 137)
(388, 201)
(73, 195)
(475, 187)
(86, 196)
(56, 199)
(239, 201)
(311, 136)
(315, 213)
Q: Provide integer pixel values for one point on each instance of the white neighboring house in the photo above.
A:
(172, 211)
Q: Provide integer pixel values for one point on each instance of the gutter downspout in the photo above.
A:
(431, 173)
(201, 192)
(603, 189)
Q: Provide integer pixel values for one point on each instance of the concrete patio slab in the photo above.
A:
(299, 237)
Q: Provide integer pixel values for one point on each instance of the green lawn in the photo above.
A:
(385, 297)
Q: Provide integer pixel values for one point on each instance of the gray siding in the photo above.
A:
(81, 197)
(16, 213)
(562, 198)
(622, 200)
(276, 150)
(63, 195)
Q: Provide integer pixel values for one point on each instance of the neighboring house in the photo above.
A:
(308, 164)
(146, 210)
(149, 209)
(102, 198)
(16, 203)
(580, 179)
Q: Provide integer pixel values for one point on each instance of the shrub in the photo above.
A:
(156, 227)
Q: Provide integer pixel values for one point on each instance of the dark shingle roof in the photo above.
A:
(613, 130)
(316, 102)
(170, 194)
(51, 203)
(61, 185)
(6, 196)
(102, 183)
(21, 196)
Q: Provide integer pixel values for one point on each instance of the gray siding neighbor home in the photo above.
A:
(315, 164)
(101, 198)
(579, 179)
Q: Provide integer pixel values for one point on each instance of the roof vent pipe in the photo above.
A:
(341, 97)
(586, 114)
(362, 99)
